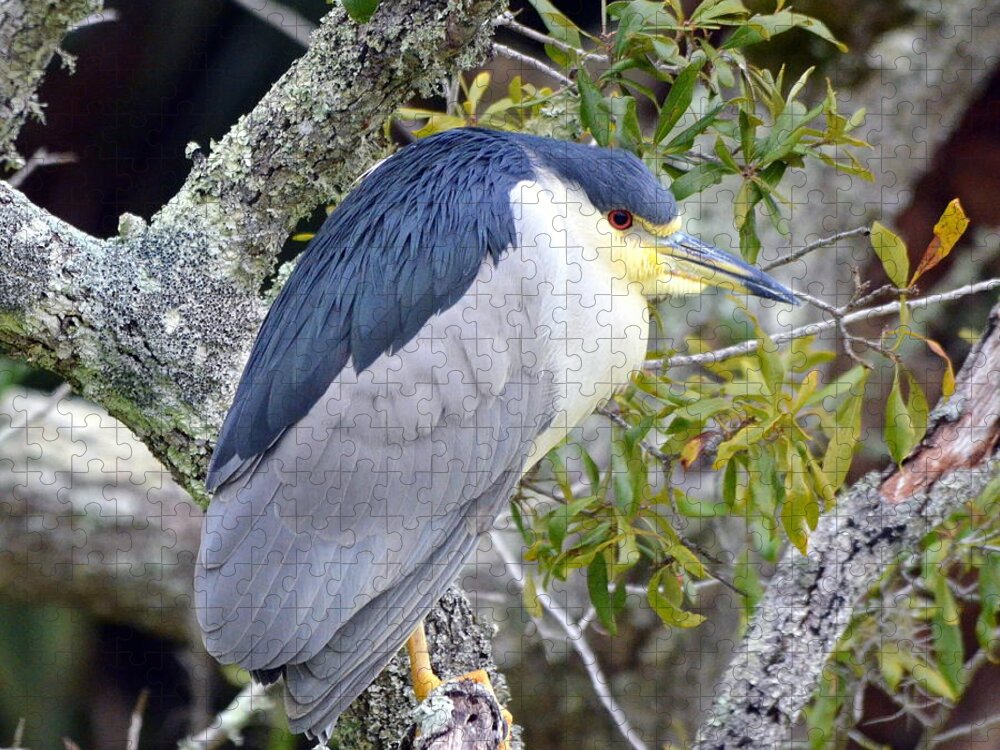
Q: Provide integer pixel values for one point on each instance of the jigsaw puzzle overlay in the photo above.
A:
(636, 388)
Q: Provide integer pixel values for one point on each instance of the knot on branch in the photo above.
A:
(459, 715)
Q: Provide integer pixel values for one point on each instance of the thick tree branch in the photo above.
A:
(155, 324)
(30, 34)
(810, 599)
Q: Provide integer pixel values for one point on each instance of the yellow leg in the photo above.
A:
(424, 679)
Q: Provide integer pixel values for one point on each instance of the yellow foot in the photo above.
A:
(425, 681)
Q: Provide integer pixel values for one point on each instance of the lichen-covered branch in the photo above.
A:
(30, 34)
(155, 324)
(810, 600)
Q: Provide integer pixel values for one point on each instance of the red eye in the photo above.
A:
(620, 218)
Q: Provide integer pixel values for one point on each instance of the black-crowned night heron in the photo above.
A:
(475, 297)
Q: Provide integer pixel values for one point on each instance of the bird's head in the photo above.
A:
(619, 208)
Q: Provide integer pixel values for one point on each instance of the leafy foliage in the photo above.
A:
(776, 427)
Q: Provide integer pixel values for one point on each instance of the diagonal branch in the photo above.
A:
(809, 601)
(155, 324)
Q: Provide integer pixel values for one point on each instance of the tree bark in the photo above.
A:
(810, 600)
(155, 324)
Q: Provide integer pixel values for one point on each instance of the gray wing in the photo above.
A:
(325, 554)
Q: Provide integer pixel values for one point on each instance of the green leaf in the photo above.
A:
(600, 597)
(742, 440)
(529, 597)
(716, 10)
(947, 634)
(771, 366)
(767, 491)
(479, 86)
(918, 408)
(678, 99)
(687, 560)
(726, 156)
(361, 11)
(694, 181)
(846, 431)
(729, 478)
(899, 432)
(684, 140)
(932, 681)
(749, 239)
(989, 597)
(560, 28)
(630, 23)
(593, 112)
(665, 596)
(799, 512)
(627, 131)
(703, 409)
(891, 250)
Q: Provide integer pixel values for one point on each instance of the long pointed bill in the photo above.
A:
(703, 263)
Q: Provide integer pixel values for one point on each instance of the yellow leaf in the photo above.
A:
(948, 379)
(532, 604)
(479, 86)
(692, 449)
(891, 250)
(947, 232)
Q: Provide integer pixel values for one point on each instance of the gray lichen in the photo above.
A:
(30, 34)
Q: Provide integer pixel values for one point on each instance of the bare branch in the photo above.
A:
(825, 242)
(106, 15)
(531, 62)
(578, 641)
(135, 721)
(507, 20)
(41, 158)
(812, 329)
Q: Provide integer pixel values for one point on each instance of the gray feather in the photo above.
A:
(324, 557)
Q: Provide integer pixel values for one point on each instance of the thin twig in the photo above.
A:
(578, 641)
(507, 20)
(812, 329)
(135, 722)
(229, 725)
(104, 16)
(41, 158)
(848, 338)
(531, 62)
(825, 242)
(666, 462)
(281, 18)
(18, 733)
(964, 730)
